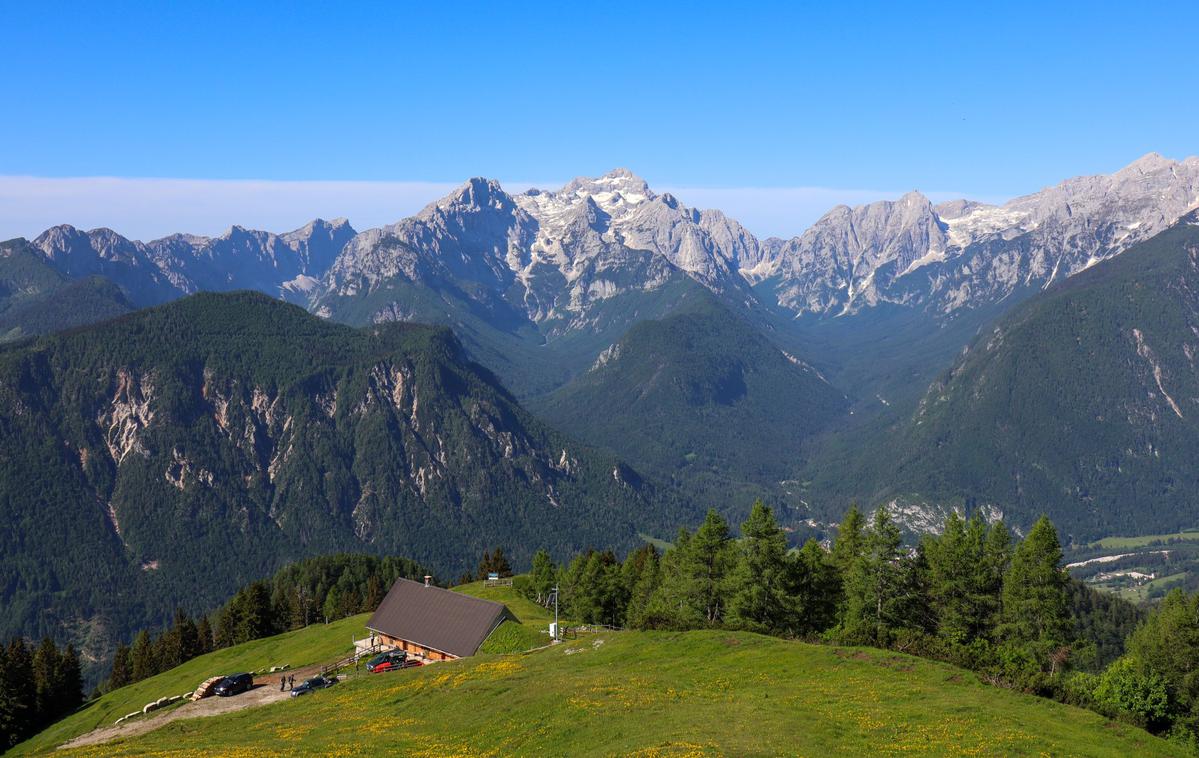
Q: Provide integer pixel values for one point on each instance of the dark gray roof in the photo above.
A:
(435, 618)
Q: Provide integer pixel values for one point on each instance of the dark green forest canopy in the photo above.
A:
(171, 455)
(1082, 403)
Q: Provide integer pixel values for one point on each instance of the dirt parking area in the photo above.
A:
(266, 690)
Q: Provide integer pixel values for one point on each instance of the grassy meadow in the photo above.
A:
(315, 644)
(702, 693)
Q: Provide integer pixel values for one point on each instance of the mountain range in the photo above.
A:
(1030, 357)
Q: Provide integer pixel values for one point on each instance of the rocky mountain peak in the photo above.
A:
(476, 193)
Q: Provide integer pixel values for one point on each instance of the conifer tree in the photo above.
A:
(708, 560)
(997, 557)
(253, 618)
(204, 641)
(18, 694)
(46, 670)
(1036, 607)
(20, 698)
(141, 657)
(499, 563)
(957, 580)
(875, 595)
(814, 587)
(68, 693)
(541, 579)
(641, 592)
(673, 604)
(120, 674)
(757, 587)
(374, 594)
(851, 540)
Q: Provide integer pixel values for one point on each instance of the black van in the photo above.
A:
(234, 684)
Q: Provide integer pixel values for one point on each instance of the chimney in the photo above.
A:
(428, 579)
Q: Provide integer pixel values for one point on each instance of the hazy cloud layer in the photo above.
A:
(149, 208)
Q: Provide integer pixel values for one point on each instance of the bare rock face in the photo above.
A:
(554, 254)
(851, 256)
(285, 265)
(964, 254)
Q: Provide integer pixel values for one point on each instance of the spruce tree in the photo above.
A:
(499, 563)
(204, 641)
(997, 557)
(374, 594)
(254, 613)
(814, 586)
(141, 657)
(46, 669)
(637, 613)
(757, 587)
(673, 604)
(541, 579)
(709, 560)
(851, 540)
(954, 560)
(68, 694)
(18, 695)
(1036, 606)
(875, 595)
(120, 674)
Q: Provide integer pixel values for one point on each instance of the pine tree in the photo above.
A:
(499, 563)
(709, 559)
(645, 581)
(168, 648)
(814, 587)
(851, 540)
(758, 598)
(188, 635)
(374, 594)
(1036, 606)
(204, 640)
(997, 557)
(875, 595)
(46, 669)
(141, 657)
(253, 618)
(68, 694)
(672, 604)
(120, 674)
(18, 695)
(957, 580)
(541, 578)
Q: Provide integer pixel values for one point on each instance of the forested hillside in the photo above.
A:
(701, 398)
(37, 299)
(170, 456)
(1081, 404)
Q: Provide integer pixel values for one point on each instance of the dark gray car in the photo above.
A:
(314, 684)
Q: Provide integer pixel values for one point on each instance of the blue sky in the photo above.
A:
(989, 101)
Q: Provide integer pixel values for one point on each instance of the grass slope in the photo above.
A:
(658, 693)
(315, 644)
(511, 637)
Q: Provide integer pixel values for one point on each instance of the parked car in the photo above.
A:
(234, 684)
(389, 661)
(314, 684)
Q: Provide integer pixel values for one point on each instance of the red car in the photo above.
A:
(392, 660)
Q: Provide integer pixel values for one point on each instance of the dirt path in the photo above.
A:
(266, 690)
